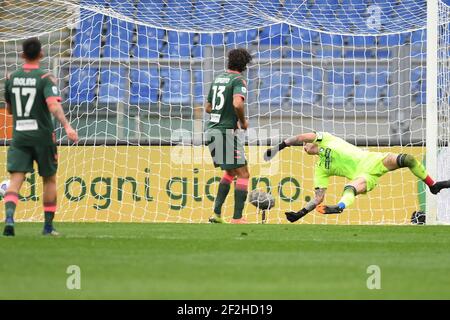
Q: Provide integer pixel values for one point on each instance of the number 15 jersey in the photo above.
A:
(28, 90)
(223, 89)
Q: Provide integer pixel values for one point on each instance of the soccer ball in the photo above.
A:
(4, 185)
(261, 199)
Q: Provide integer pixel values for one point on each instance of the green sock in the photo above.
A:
(10, 208)
(48, 218)
(348, 197)
(418, 170)
(222, 193)
(240, 196)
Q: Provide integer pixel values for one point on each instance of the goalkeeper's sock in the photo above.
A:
(222, 193)
(348, 197)
(11, 200)
(49, 214)
(417, 169)
(240, 196)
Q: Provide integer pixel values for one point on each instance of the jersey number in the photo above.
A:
(218, 92)
(31, 93)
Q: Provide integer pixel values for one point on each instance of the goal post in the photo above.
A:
(433, 21)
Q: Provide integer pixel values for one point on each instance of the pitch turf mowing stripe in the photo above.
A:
(202, 261)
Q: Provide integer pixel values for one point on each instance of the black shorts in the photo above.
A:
(227, 151)
(21, 158)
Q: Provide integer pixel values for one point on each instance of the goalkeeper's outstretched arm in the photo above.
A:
(319, 195)
(292, 141)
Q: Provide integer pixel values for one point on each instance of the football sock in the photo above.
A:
(49, 214)
(11, 200)
(222, 193)
(407, 160)
(348, 197)
(240, 196)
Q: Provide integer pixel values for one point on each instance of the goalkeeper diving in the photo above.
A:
(340, 158)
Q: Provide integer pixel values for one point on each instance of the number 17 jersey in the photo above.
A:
(27, 91)
(223, 89)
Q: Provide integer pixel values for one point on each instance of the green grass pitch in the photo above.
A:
(202, 261)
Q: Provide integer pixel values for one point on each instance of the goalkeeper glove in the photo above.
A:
(270, 153)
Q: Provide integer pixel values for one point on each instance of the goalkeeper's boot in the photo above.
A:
(239, 221)
(438, 186)
(293, 216)
(216, 219)
(324, 209)
(50, 231)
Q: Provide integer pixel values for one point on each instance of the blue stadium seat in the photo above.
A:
(298, 53)
(118, 39)
(181, 9)
(178, 45)
(274, 86)
(144, 85)
(150, 9)
(359, 53)
(212, 39)
(273, 35)
(331, 39)
(111, 88)
(300, 37)
(199, 96)
(339, 86)
(337, 94)
(329, 52)
(126, 7)
(197, 51)
(149, 42)
(242, 37)
(361, 41)
(87, 41)
(269, 53)
(177, 86)
(391, 40)
(207, 10)
(419, 36)
(306, 85)
(365, 95)
(82, 84)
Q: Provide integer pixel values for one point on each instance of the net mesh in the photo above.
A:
(134, 76)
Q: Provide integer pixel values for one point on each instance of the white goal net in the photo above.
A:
(134, 75)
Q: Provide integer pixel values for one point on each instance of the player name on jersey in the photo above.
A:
(222, 80)
(27, 82)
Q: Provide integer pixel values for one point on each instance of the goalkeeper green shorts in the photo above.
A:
(371, 169)
(21, 158)
(227, 150)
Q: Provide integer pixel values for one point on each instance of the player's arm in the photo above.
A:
(297, 140)
(56, 109)
(53, 100)
(319, 195)
(239, 108)
(239, 96)
(7, 96)
(208, 104)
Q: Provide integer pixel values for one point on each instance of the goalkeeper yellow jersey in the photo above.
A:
(337, 157)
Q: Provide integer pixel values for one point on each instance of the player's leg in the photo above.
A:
(396, 161)
(351, 190)
(11, 199)
(222, 193)
(47, 159)
(49, 197)
(19, 162)
(240, 193)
